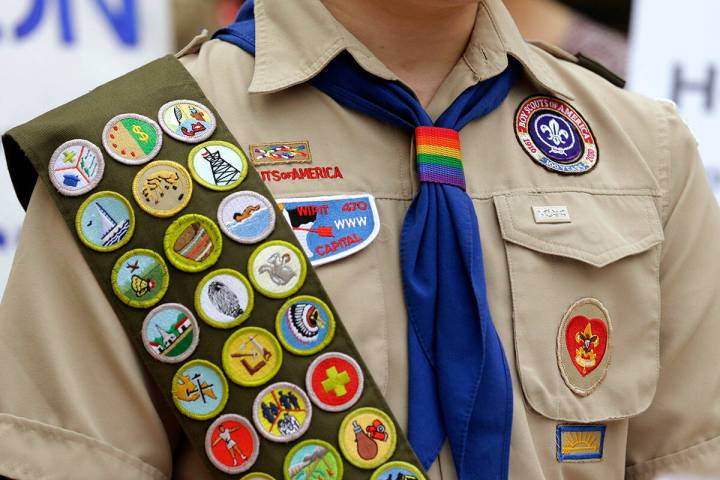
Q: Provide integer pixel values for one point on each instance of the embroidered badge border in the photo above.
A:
(579, 457)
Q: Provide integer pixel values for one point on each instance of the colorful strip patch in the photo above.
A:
(438, 154)
(281, 152)
(577, 443)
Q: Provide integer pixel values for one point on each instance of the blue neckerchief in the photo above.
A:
(460, 385)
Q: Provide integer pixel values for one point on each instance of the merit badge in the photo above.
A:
(277, 269)
(280, 152)
(334, 381)
(251, 356)
(170, 333)
(555, 135)
(257, 476)
(199, 390)
(76, 167)
(162, 188)
(192, 243)
(583, 345)
(305, 325)
(187, 121)
(218, 165)
(367, 437)
(282, 412)
(246, 217)
(577, 443)
(397, 471)
(313, 459)
(224, 298)
(105, 221)
(132, 139)
(140, 278)
(231, 444)
(332, 227)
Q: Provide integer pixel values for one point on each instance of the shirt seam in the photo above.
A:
(651, 466)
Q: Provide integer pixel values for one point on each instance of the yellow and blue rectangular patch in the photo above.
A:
(577, 443)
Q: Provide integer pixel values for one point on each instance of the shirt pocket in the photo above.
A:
(609, 250)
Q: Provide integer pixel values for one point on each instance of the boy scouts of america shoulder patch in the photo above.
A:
(555, 135)
(332, 227)
(310, 456)
(76, 167)
(231, 444)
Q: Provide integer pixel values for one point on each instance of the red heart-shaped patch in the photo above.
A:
(586, 341)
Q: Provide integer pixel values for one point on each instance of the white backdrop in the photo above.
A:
(52, 51)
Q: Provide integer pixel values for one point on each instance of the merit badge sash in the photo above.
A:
(211, 284)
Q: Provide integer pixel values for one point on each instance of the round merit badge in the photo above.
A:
(162, 188)
(251, 356)
(187, 120)
(140, 278)
(313, 459)
(132, 139)
(257, 476)
(218, 165)
(305, 325)
(246, 217)
(224, 298)
(199, 390)
(277, 269)
(367, 437)
(334, 381)
(105, 221)
(192, 243)
(170, 333)
(398, 471)
(76, 167)
(282, 412)
(231, 444)
(555, 135)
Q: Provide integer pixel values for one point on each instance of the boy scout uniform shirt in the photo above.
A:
(642, 239)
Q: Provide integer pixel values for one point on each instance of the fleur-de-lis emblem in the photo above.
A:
(555, 133)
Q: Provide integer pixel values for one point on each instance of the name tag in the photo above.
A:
(551, 214)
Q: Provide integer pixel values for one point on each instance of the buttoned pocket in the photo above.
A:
(584, 272)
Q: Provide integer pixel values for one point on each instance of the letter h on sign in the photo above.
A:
(680, 85)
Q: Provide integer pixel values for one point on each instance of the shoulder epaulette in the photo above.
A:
(583, 61)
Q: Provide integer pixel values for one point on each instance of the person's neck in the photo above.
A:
(418, 40)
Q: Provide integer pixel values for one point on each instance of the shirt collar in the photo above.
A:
(296, 40)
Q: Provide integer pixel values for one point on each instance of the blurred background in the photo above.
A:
(52, 51)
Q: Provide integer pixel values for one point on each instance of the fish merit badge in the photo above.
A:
(105, 221)
(282, 412)
(305, 325)
(280, 152)
(140, 278)
(76, 167)
(187, 121)
(224, 298)
(367, 437)
(583, 345)
(193, 243)
(132, 139)
(277, 269)
(218, 165)
(162, 188)
(580, 443)
(332, 227)
(199, 390)
(313, 459)
(232, 444)
(334, 381)
(170, 333)
(555, 135)
(251, 356)
(246, 217)
(397, 471)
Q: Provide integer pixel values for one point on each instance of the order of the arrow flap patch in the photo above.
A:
(332, 227)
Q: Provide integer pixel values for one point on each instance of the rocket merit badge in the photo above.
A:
(332, 227)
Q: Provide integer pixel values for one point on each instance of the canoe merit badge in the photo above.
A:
(105, 221)
(313, 459)
(246, 217)
(132, 139)
(187, 121)
(170, 333)
(397, 471)
(305, 325)
(580, 443)
(280, 152)
(367, 437)
(140, 278)
(555, 135)
(332, 227)
(231, 444)
(251, 356)
(334, 381)
(282, 412)
(277, 269)
(218, 165)
(583, 345)
(162, 188)
(199, 390)
(76, 167)
(192, 243)
(224, 298)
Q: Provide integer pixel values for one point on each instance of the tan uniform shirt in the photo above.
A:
(643, 239)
